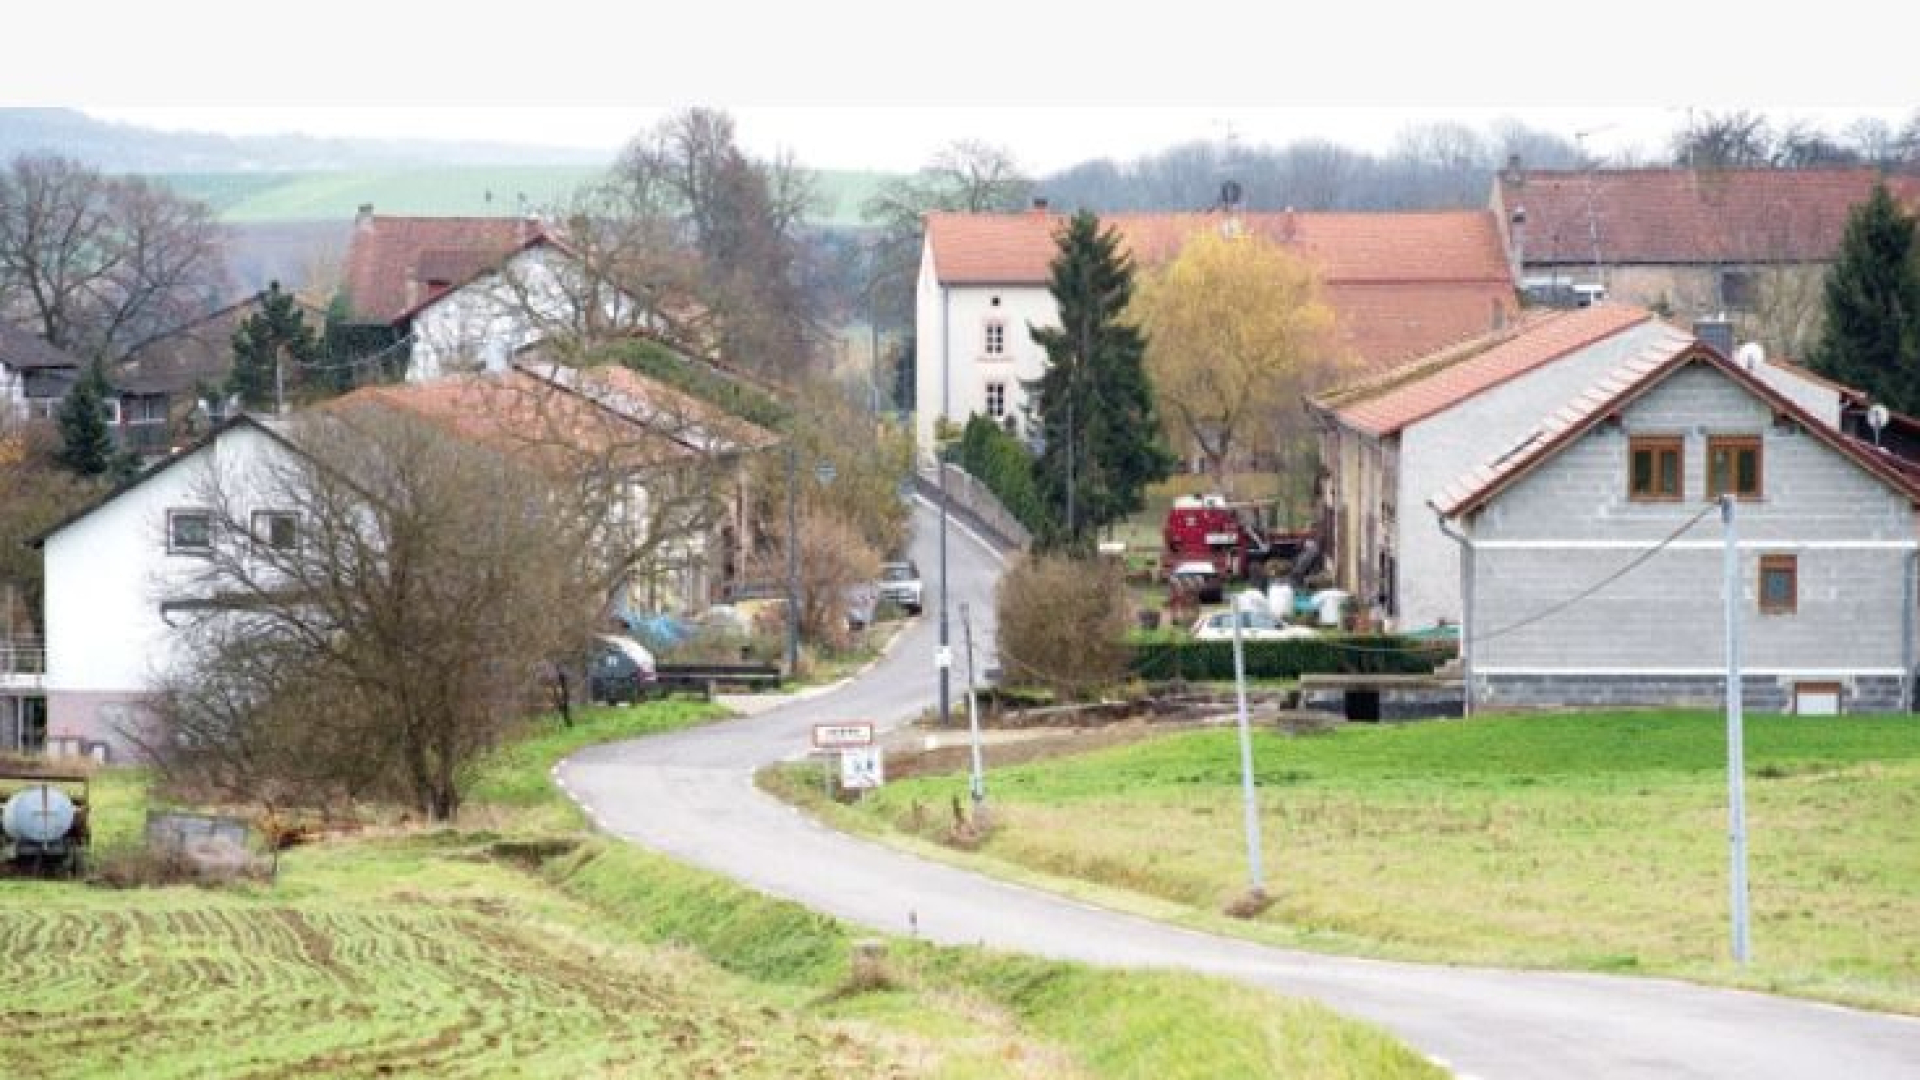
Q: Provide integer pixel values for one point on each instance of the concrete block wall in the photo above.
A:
(1760, 693)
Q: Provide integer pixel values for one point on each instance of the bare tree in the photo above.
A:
(386, 593)
(967, 175)
(1738, 139)
(834, 559)
(95, 263)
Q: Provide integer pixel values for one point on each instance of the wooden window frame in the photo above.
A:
(263, 536)
(1790, 564)
(1655, 444)
(1736, 443)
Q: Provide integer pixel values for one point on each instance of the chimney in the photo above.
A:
(364, 219)
(1039, 204)
(1514, 174)
(1717, 332)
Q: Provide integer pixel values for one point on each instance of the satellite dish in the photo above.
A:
(1751, 355)
(1877, 418)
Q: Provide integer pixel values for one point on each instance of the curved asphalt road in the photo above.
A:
(691, 795)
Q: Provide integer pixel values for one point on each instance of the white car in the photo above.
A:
(1254, 626)
(900, 583)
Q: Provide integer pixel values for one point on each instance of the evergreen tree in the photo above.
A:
(86, 446)
(1102, 442)
(1871, 340)
(268, 346)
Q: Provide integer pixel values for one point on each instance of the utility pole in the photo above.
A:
(1736, 744)
(943, 656)
(977, 782)
(793, 559)
(1256, 879)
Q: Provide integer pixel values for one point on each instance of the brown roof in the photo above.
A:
(392, 259)
(1400, 284)
(1388, 402)
(1688, 216)
(24, 351)
(1621, 388)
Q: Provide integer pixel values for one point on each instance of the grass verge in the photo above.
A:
(531, 948)
(1571, 841)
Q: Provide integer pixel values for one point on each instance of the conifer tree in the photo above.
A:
(86, 446)
(1102, 440)
(268, 347)
(1871, 339)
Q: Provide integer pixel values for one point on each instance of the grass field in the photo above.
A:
(467, 191)
(1568, 841)
(520, 945)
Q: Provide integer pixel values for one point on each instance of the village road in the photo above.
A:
(690, 794)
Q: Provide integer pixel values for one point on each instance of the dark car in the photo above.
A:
(620, 670)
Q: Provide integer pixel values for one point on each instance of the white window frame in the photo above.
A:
(993, 338)
(1001, 386)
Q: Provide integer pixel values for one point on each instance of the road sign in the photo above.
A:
(842, 736)
(943, 657)
(862, 768)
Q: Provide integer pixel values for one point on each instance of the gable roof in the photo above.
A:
(1389, 402)
(1400, 284)
(1621, 388)
(392, 260)
(24, 351)
(1687, 215)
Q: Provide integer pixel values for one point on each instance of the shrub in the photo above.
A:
(1063, 624)
(995, 458)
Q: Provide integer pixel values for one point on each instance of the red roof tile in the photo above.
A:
(1627, 384)
(1400, 284)
(1412, 392)
(1688, 216)
(392, 259)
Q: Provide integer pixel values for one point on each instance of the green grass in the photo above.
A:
(529, 947)
(336, 195)
(1593, 841)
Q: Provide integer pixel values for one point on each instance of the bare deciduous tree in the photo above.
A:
(94, 263)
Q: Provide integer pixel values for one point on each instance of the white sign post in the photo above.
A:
(842, 736)
(862, 768)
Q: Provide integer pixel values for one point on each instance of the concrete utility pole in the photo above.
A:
(1256, 879)
(1736, 744)
(943, 656)
(977, 782)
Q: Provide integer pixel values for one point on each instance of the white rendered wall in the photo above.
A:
(482, 324)
(953, 367)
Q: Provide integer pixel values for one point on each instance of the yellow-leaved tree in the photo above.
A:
(1237, 334)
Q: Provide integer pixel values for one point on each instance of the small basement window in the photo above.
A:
(1733, 466)
(189, 532)
(1779, 584)
(1654, 472)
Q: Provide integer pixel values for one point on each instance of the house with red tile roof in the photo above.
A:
(1593, 548)
(121, 569)
(1750, 243)
(1400, 285)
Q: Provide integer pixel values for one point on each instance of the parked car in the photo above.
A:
(620, 670)
(1254, 626)
(1199, 578)
(900, 583)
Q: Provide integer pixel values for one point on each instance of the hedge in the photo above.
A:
(1210, 661)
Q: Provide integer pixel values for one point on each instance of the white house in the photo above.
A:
(1400, 285)
(1389, 443)
(1593, 549)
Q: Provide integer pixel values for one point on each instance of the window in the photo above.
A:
(275, 530)
(1738, 290)
(1733, 466)
(1654, 473)
(996, 343)
(189, 532)
(144, 409)
(997, 400)
(1779, 584)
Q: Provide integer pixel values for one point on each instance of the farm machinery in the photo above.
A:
(43, 820)
(1208, 528)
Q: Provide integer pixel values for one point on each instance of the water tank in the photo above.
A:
(39, 814)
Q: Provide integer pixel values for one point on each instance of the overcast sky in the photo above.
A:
(882, 85)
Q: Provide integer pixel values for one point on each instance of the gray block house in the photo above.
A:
(1592, 550)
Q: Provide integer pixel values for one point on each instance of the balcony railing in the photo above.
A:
(23, 663)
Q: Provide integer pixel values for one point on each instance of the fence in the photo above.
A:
(973, 502)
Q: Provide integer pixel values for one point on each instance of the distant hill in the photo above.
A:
(128, 148)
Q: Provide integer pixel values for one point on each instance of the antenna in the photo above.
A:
(1593, 216)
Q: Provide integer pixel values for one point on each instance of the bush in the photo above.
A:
(1063, 624)
(1212, 661)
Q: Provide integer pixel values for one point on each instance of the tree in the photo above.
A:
(1237, 333)
(968, 176)
(1872, 335)
(1102, 443)
(268, 347)
(834, 559)
(37, 493)
(411, 582)
(86, 445)
(1732, 140)
(1061, 625)
(100, 263)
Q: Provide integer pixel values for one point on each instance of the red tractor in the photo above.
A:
(1208, 528)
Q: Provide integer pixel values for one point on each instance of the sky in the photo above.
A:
(866, 84)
